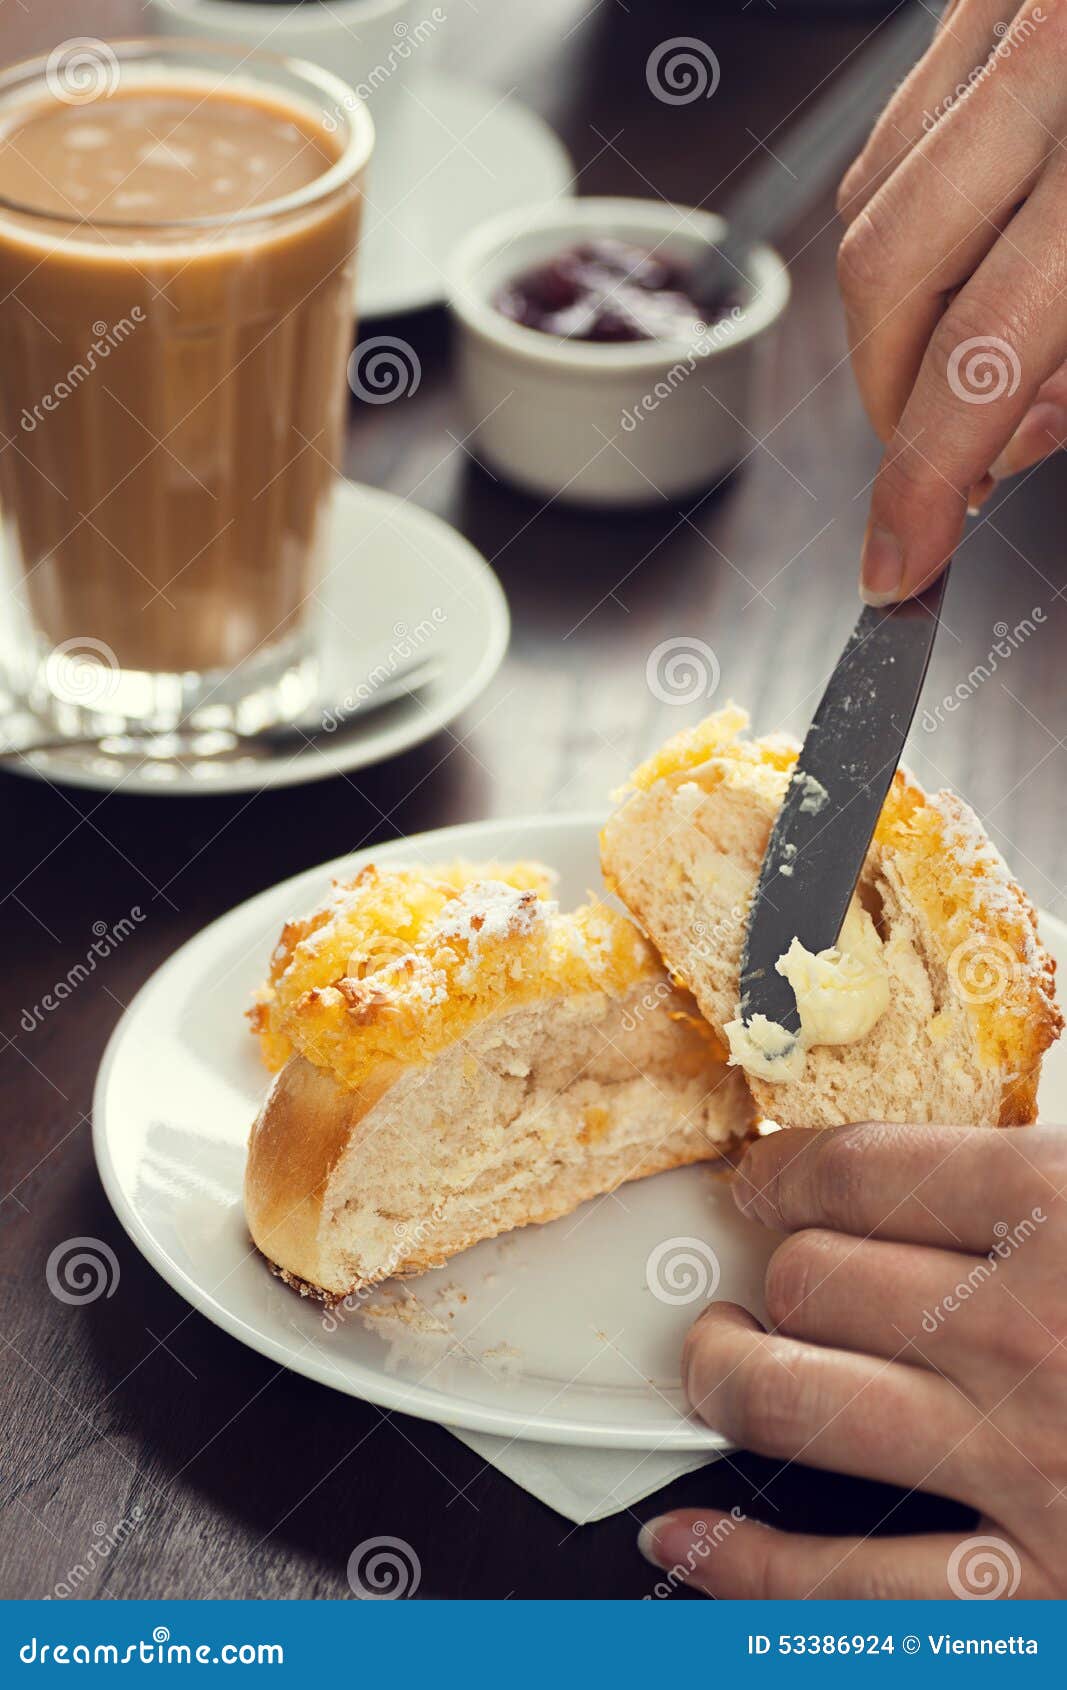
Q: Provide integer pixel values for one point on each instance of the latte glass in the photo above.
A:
(178, 227)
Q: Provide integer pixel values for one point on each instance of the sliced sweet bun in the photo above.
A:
(972, 1007)
(507, 1065)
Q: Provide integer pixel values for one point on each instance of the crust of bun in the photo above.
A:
(559, 1062)
(286, 1196)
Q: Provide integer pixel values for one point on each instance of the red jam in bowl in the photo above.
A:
(609, 291)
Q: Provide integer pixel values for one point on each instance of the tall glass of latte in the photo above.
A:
(178, 227)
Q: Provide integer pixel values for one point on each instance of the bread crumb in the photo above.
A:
(503, 1359)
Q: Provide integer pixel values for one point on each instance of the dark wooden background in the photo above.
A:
(254, 1482)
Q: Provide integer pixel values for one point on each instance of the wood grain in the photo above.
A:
(252, 1482)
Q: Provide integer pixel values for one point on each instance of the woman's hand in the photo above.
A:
(954, 276)
(919, 1337)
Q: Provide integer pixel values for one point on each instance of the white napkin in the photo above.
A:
(584, 1484)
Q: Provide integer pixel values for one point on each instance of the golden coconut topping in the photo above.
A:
(400, 961)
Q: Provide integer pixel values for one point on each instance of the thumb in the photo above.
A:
(727, 1556)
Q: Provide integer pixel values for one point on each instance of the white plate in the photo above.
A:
(398, 580)
(585, 1353)
(466, 153)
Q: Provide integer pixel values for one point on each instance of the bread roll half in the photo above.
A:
(971, 1003)
(457, 1059)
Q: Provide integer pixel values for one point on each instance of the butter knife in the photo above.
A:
(835, 795)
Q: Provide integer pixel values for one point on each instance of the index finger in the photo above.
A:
(966, 35)
(1001, 338)
(962, 1188)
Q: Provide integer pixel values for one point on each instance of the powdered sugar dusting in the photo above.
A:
(488, 911)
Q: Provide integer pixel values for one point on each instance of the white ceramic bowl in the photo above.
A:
(604, 424)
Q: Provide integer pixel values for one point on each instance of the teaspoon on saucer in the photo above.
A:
(325, 720)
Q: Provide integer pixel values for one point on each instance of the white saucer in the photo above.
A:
(399, 580)
(466, 154)
(565, 1341)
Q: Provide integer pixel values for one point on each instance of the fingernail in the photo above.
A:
(980, 492)
(1002, 466)
(882, 575)
(1047, 419)
(648, 1539)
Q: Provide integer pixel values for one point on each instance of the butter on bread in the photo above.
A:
(456, 1057)
(972, 1007)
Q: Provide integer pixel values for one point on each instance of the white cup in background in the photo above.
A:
(373, 45)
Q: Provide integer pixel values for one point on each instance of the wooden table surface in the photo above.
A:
(252, 1481)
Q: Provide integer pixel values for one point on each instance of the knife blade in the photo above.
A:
(835, 796)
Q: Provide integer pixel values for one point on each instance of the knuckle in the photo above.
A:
(1041, 1338)
(783, 1574)
(842, 1171)
(1046, 1155)
(909, 476)
(1025, 1199)
(775, 1398)
(976, 322)
(867, 259)
(788, 1576)
(860, 266)
(794, 1272)
(888, 1581)
(1019, 1343)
